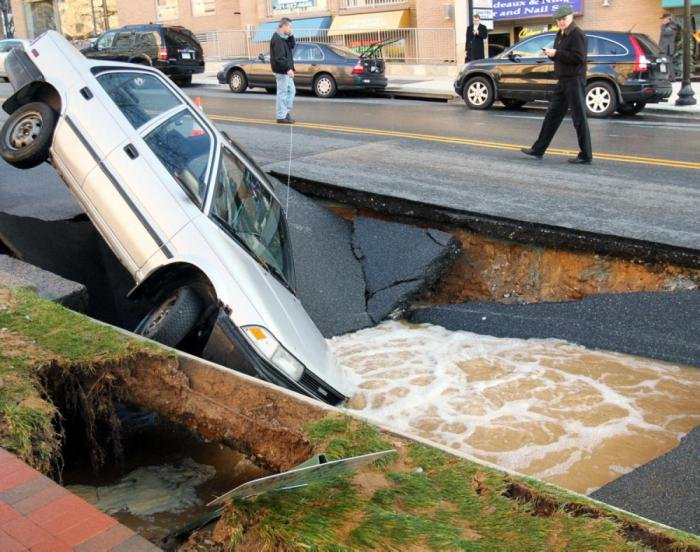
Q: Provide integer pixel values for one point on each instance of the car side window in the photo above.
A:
(124, 41)
(183, 145)
(533, 47)
(598, 46)
(146, 41)
(301, 52)
(315, 53)
(105, 41)
(140, 96)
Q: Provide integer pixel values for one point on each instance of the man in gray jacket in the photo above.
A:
(667, 41)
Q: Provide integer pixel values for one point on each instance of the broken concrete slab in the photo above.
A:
(330, 282)
(660, 325)
(399, 261)
(665, 489)
(18, 274)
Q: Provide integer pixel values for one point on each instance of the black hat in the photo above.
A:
(664, 16)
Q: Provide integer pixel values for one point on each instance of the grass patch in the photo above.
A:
(425, 499)
(44, 346)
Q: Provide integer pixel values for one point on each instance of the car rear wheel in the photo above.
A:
(601, 99)
(183, 81)
(630, 108)
(478, 93)
(26, 136)
(513, 104)
(172, 319)
(237, 81)
(325, 86)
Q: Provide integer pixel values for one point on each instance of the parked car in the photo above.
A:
(323, 68)
(6, 46)
(625, 72)
(173, 50)
(190, 215)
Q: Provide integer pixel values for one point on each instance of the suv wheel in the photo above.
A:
(601, 99)
(478, 93)
(170, 321)
(26, 136)
(237, 81)
(183, 81)
(630, 108)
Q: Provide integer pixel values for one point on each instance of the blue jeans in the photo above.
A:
(285, 95)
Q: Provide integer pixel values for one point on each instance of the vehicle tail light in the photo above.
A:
(163, 54)
(641, 63)
(359, 69)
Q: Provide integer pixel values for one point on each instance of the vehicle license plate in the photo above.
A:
(186, 55)
(662, 67)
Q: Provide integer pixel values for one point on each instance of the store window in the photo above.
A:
(167, 10)
(203, 7)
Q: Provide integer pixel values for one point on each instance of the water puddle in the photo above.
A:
(575, 417)
(167, 477)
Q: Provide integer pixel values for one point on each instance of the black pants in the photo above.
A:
(568, 93)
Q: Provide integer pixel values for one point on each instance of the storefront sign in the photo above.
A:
(485, 10)
(292, 4)
(522, 9)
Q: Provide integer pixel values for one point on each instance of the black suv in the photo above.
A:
(626, 71)
(173, 50)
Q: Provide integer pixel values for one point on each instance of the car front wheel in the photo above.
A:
(324, 86)
(173, 318)
(26, 136)
(601, 99)
(237, 81)
(630, 108)
(478, 93)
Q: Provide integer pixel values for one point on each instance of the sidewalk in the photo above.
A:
(39, 515)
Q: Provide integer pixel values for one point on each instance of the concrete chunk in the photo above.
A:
(18, 274)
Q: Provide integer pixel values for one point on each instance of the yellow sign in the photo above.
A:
(532, 31)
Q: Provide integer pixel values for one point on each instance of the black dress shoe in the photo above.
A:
(580, 161)
(531, 152)
(289, 119)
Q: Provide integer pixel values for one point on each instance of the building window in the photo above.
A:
(203, 7)
(167, 10)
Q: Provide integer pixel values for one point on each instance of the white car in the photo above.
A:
(188, 213)
(6, 45)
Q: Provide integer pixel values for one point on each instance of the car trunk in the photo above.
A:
(183, 46)
(657, 64)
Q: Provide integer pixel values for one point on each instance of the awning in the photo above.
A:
(677, 3)
(361, 22)
(303, 28)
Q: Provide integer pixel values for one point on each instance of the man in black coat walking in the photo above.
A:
(569, 55)
(476, 34)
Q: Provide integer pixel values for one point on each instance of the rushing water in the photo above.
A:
(576, 417)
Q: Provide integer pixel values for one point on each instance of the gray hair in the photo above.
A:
(284, 21)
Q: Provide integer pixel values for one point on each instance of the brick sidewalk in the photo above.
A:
(39, 515)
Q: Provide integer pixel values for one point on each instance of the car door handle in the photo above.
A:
(131, 151)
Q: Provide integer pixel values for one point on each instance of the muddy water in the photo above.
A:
(560, 412)
(167, 477)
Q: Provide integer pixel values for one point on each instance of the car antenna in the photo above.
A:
(632, 28)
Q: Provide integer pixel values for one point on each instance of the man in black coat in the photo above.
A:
(282, 62)
(569, 55)
(476, 34)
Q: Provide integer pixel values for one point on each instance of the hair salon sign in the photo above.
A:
(523, 9)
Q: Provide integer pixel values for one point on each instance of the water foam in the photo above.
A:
(560, 412)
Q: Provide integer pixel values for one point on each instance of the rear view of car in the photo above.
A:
(173, 50)
(6, 46)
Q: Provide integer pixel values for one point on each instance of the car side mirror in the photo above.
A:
(261, 57)
(513, 56)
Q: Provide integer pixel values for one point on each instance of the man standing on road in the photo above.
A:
(282, 62)
(476, 34)
(569, 55)
(667, 42)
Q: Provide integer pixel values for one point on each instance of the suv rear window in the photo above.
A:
(181, 40)
(648, 45)
(599, 46)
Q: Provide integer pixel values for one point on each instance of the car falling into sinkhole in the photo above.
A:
(187, 212)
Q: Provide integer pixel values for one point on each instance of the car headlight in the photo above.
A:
(271, 349)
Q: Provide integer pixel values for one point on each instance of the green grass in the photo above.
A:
(36, 335)
(421, 498)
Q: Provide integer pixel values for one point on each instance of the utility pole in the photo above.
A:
(7, 22)
(686, 96)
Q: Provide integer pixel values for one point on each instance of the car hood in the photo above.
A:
(257, 297)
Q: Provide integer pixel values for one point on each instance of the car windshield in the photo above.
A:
(247, 210)
(140, 96)
(343, 52)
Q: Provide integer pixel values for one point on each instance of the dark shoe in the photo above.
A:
(531, 152)
(289, 119)
(580, 161)
(285, 121)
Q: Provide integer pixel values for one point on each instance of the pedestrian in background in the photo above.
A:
(476, 34)
(282, 62)
(667, 42)
(569, 55)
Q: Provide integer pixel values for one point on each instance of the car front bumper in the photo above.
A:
(654, 92)
(228, 346)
